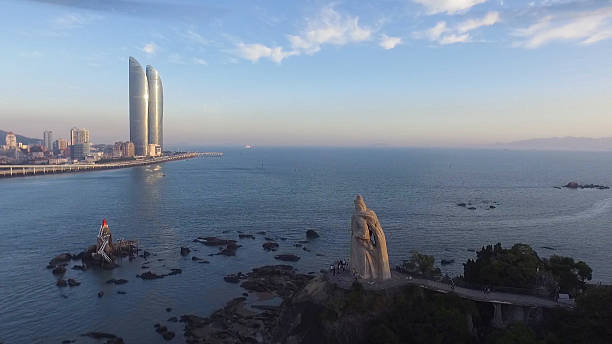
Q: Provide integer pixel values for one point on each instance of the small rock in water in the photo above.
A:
(492, 207)
(174, 272)
(60, 270)
(61, 283)
(261, 233)
(447, 261)
(548, 248)
(117, 281)
(185, 251)
(100, 293)
(246, 236)
(472, 208)
(270, 246)
(311, 234)
(173, 319)
(149, 276)
(168, 309)
(462, 204)
(73, 283)
(121, 292)
(287, 257)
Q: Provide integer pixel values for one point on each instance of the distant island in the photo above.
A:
(568, 143)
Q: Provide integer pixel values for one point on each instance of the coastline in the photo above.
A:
(10, 171)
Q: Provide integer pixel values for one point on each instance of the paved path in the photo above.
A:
(345, 279)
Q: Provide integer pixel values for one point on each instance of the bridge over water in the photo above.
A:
(31, 170)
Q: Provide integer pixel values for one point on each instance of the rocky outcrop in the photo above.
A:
(575, 185)
(270, 246)
(226, 247)
(287, 257)
(311, 234)
(111, 338)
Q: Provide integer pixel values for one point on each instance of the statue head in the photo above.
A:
(360, 206)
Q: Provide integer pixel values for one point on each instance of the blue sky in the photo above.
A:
(346, 73)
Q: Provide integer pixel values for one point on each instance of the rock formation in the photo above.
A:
(369, 258)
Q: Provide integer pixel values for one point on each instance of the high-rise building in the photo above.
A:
(156, 107)
(78, 136)
(139, 108)
(48, 139)
(11, 140)
(59, 146)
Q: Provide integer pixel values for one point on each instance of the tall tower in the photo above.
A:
(48, 140)
(156, 107)
(139, 108)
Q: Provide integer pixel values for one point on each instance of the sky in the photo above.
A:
(426, 73)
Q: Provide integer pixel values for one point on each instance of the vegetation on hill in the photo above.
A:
(520, 267)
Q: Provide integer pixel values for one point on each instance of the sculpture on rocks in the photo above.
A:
(369, 258)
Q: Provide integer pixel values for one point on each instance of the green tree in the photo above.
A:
(421, 264)
(571, 275)
(516, 267)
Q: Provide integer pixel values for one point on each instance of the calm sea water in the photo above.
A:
(283, 192)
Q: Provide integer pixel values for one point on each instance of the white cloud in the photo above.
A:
(586, 27)
(199, 61)
(448, 6)
(150, 48)
(454, 38)
(435, 32)
(389, 42)
(330, 27)
(443, 34)
(489, 19)
(254, 52)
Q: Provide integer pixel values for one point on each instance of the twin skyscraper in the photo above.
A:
(146, 110)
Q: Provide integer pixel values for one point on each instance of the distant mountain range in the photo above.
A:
(568, 143)
(20, 138)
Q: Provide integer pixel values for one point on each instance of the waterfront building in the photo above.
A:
(80, 151)
(11, 140)
(154, 150)
(128, 150)
(59, 146)
(48, 140)
(78, 136)
(117, 150)
(156, 107)
(139, 108)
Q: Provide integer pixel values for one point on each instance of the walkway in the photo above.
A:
(345, 279)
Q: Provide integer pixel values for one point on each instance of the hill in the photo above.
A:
(20, 138)
(568, 143)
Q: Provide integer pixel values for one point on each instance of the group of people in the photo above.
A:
(339, 266)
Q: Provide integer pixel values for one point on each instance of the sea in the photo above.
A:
(284, 192)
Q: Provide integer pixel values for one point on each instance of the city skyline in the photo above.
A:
(405, 73)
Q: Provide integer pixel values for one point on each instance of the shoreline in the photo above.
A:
(11, 171)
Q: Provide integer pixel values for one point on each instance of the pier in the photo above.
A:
(7, 171)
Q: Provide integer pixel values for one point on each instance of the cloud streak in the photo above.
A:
(442, 34)
(585, 27)
(448, 6)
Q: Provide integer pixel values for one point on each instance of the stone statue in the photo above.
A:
(369, 258)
